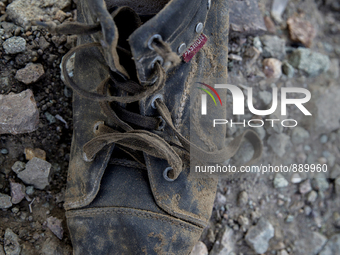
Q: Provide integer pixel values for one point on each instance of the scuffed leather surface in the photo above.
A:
(125, 231)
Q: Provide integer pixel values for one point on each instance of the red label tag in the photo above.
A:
(193, 49)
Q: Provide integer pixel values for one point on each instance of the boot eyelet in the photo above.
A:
(157, 59)
(96, 126)
(160, 96)
(162, 124)
(154, 37)
(165, 174)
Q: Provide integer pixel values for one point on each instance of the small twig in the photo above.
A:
(30, 205)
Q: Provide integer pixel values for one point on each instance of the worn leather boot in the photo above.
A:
(129, 187)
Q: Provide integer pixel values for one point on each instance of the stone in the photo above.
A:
(288, 69)
(310, 244)
(257, 43)
(320, 183)
(4, 151)
(280, 181)
(23, 11)
(43, 44)
(246, 18)
(301, 31)
(29, 190)
(259, 235)
(18, 113)
(14, 45)
(324, 139)
(337, 186)
(270, 25)
(313, 63)
(296, 178)
(220, 199)
(30, 73)
(272, 68)
(242, 199)
(60, 16)
(273, 47)
(18, 166)
(11, 243)
(305, 187)
(36, 173)
(332, 246)
(266, 97)
(279, 143)
(199, 249)
(312, 196)
(224, 243)
(51, 119)
(289, 218)
(5, 201)
(335, 173)
(31, 153)
(54, 224)
(278, 8)
(17, 192)
(299, 135)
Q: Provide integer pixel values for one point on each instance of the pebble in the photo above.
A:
(305, 187)
(242, 198)
(270, 25)
(199, 249)
(258, 236)
(36, 173)
(332, 246)
(29, 190)
(220, 199)
(224, 243)
(17, 192)
(272, 68)
(324, 139)
(30, 73)
(51, 119)
(320, 183)
(296, 178)
(5, 201)
(4, 151)
(313, 63)
(279, 143)
(280, 181)
(288, 69)
(337, 186)
(308, 210)
(289, 218)
(18, 166)
(301, 31)
(273, 47)
(299, 135)
(312, 196)
(43, 44)
(54, 224)
(335, 173)
(60, 16)
(18, 113)
(278, 8)
(257, 43)
(11, 243)
(14, 45)
(31, 153)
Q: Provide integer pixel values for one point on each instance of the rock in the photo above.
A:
(320, 183)
(270, 25)
(18, 113)
(283, 252)
(243, 221)
(51, 119)
(29, 190)
(220, 199)
(288, 69)
(224, 243)
(273, 47)
(278, 8)
(299, 135)
(337, 186)
(30, 74)
(257, 43)
(23, 11)
(235, 57)
(259, 235)
(36, 173)
(251, 55)
(53, 246)
(242, 199)
(280, 181)
(272, 68)
(301, 31)
(60, 16)
(311, 244)
(266, 97)
(312, 63)
(43, 44)
(17, 192)
(5, 201)
(246, 18)
(335, 172)
(332, 247)
(4, 151)
(279, 143)
(14, 45)
(18, 166)
(55, 226)
(31, 153)
(199, 249)
(11, 243)
(312, 196)
(305, 187)
(296, 178)
(324, 139)
(290, 218)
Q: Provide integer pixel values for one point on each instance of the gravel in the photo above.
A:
(5, 201)
(14, 45)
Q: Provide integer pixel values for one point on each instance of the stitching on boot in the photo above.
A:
(133, 212)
